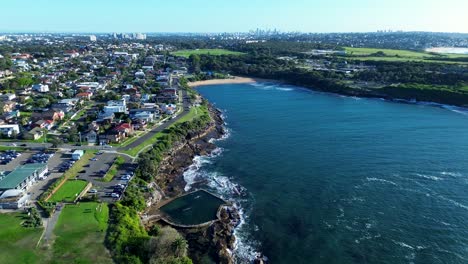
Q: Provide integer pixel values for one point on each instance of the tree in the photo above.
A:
(56, 141)
(194, 61)
(180, 246)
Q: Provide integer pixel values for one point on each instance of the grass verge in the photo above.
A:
(193, 113)
(113, 169)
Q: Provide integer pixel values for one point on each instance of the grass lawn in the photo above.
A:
(4, 148)
(69, 190)
(17, 243)
(194, 112)
(113, 169)
(79, 115)
(398, 55)
(80, 232)
(215, 52)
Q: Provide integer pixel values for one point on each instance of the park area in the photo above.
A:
(80, 234)
(400, 55)
(69, 191)
(18, 243)
(214, 52)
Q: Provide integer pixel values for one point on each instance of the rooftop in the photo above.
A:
(14, 178)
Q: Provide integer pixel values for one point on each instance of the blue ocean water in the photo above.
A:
(332, 179)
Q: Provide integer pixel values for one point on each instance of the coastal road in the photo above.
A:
(154, 131)
(137, 142)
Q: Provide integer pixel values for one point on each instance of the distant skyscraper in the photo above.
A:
(92, 38)
(140, 36)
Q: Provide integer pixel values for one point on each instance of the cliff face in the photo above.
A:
(171, 169)
(217, 240)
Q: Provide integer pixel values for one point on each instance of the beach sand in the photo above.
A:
(226, 81)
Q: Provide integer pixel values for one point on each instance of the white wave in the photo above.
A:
(271, 87)
(456, 109)
(403, 244)
(452, 174)
(381, 180)
(244, 248)
(284, 89)
(453, 202)
(429, 177)
(193, 171)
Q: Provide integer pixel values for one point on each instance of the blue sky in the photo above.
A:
(232, 16)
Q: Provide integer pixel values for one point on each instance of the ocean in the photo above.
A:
(334, 179)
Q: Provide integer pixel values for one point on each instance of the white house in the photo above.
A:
(13, 199)
(41, 88)
(9, 129)
(118, 106)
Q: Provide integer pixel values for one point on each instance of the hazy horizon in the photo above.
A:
(189, 16)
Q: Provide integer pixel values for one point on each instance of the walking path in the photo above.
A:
(49, 226)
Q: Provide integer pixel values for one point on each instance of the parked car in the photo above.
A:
(93, 191)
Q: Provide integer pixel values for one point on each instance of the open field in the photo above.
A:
(215, 52)
(400, 55)
(69, 191)
(17, 243)
(80, 232)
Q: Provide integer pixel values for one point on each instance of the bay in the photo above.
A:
(332, 179)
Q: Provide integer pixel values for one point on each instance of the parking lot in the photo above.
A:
(95, 171)
(60, 162)
(54, 163)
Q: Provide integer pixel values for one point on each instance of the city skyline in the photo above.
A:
(205, 17)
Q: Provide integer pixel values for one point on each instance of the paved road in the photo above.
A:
(140, 140)
(154, 131)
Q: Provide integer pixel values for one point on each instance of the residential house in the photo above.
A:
(91, 137)
(9, 130)
(117, 106)
(8, 106)
(7, 97)
(50, 114)
(84, 96)
(34, 134)
(169, 109)
(41, 88)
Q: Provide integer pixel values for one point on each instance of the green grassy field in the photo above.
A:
(17, 243)
(215, 52)
(399, 55)
(69, 191)
(80, 231)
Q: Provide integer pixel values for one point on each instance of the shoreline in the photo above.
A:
(362, 94)
(234, 80)
(217, 239)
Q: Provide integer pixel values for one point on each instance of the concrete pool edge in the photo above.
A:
(164, 217)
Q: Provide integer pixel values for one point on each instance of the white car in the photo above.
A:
(115, 195)
(93, 191)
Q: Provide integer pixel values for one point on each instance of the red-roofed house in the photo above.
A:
(85, 95)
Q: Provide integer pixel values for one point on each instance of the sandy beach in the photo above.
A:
(226, 81)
